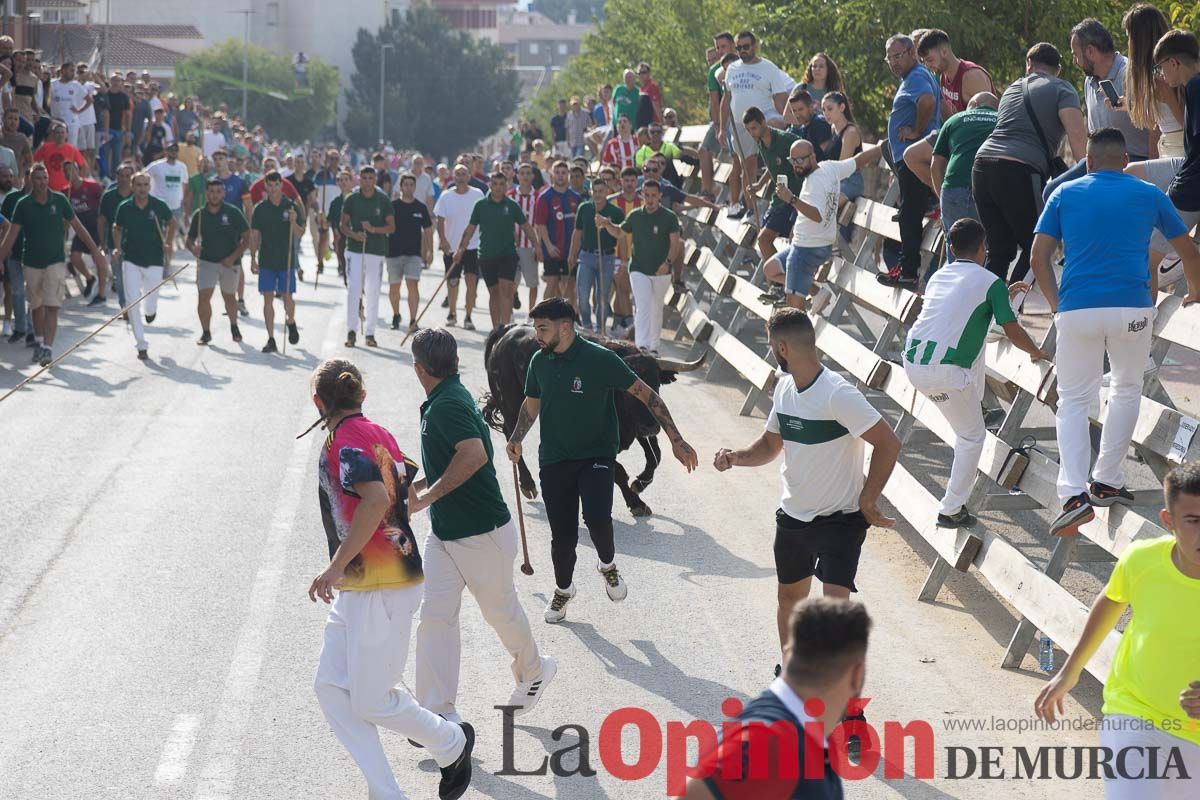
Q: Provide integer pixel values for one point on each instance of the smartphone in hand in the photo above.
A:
(1110, 92)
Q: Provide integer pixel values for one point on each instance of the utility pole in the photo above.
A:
(383, 48)
(245, 12)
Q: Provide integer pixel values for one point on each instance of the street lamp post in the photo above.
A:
(245, 12)
(383, 48)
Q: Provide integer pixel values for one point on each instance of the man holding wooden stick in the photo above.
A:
(223, 236)
(145, 248)
(275, 224)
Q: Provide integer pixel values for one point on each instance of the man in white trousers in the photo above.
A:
(366, 222)
(943, 357)
(1105, 303)
(656, 245)
(144, 230)
(473, 543)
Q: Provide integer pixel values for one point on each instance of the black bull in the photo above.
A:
(506, 359)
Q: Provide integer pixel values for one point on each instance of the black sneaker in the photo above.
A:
(457, 777)
(30, 340)
(150, 318)
(898, 282)
(773, 295)
(468, 324)
(451, 321)
(445, 302)
(516, 301)
(1076, 511)
(959, 519)
(351, 337)
(235, 333)
(1103, 495)
(98, 300)
(143, 355)
(371, 342)
(205, 337)
(46, 358)
(395, 322)
(270, 347)
(87, 287)
(16, 337)
(245, 312)
(293, 333)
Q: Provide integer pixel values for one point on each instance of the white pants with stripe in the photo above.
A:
(649, 292)
(361, 665)
(364, 276)
(958, 394)
(1084, 336)
(1136, 739)
(137, 280)
(482, 564)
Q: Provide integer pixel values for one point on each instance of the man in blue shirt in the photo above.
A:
(1105, 304)
(915, 113)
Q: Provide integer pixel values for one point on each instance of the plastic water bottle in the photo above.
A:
(1046, 654)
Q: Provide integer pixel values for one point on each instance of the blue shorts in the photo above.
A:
(801, 264)
(273, 280)
(780, 218)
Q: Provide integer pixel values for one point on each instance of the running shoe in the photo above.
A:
(959, 519)
(1076, 511)
(468, 324)
(245, 312)
(736, 211)
(16, 337)
(98, 300)
(143, 355)
(1103, 495)
(457, 777)
(773, 294)
(395, 322)
(7, 330)
(516, 301)
(87, 287)
(237, 334)
(445, 302)
(898, 282)
(293, 333)
(30, 340)
(527, 693)
(46, 358)
(556, 610)
(270, 347)
(613, 584)
(205, 337)
(150, 318)
(451, 320)
(371, 342)
(350, 338)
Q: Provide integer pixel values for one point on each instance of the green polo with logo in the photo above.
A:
(373, 210)
(142, 231)
(42, 229)
(495, 221)
(6, 209)
(109, 201)
(651, 237)
(578, 409)
(449, 416)
(585, 223)
(777, 158)
(271, 222)
(335, 213)
(220, 232)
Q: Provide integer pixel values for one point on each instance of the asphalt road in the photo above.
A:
(159, 529)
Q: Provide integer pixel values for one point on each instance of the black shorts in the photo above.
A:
(780, 218)
(468, 266)
(555, 268)
(828, 547)
(494, 270)
(77, 245)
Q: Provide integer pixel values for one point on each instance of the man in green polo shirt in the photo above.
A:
(366, 222)
(570, 384)
(954, 154)
(473, 543)
(774, 149)
(276, 224)
(625, 99)
(594, 253)
(113, 196)
(43, 216)
(144, 230)
(345, 182)
(497, 216)
(223, 235)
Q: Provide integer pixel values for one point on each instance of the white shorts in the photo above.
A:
(85, 137)
(1139, 741)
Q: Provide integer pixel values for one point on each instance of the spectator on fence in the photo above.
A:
(670, 151)
(821, 77)
(1105, 305)
(959, 78)
(710, 148)
(954, 153)
(846, 141)
(1018, 158)
(602, 114)
(943, 355)
(914, 114)
(558, 129)
(1150, 694)
(577, 126)
(1093, 51)
(625, 99)
(650, 105)
(773, 146)
(1152, 104)
(751, 82)
(804, 114)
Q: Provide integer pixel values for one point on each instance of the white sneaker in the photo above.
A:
(613, 584)
(527, 693)
(7, 331)
(820, 300)
(556, 609)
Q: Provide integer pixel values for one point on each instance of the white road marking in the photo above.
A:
(173, 764)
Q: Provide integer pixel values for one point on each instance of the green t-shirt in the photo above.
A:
(335, 212)
(271, 222)
(776, 158)
(449, 416)
(714, 85)
(585, 223)
(6, 208)
(142, 231)
(42, 226)
(573, 387)
(219, 232)
(668, 149)
(109, 201)
(495, 221)
(373, 210)
(625, 101)
(197, 185)
(651, 237)
(959, 139)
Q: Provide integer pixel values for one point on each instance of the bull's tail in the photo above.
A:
(491, 412)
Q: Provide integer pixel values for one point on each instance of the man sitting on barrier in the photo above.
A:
(943, 357)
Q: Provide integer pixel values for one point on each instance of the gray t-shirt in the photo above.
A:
(1099, 115)
(1014, 136)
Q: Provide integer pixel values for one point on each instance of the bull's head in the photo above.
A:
(668, 368)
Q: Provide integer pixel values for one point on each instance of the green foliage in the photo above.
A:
(670, 35)
(296, 118)
(1184, 15)
(444, 90)
(558, 10)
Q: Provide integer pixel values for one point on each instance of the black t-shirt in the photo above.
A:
(818, 132)
(411, 219)
(304, 185)
(118, 104)
(1185, 189)
(157, 143)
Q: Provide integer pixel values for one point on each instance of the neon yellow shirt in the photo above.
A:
(1159, 654)
(668, 149)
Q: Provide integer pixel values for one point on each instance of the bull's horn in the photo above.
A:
(671, 365)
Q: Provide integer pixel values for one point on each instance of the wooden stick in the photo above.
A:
(428, 303)
(526, 567)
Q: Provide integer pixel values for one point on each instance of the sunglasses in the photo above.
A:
(742, 47)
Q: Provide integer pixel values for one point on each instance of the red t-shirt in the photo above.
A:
(651, 88)
(619, 152)
(53, 156)
(258, 190)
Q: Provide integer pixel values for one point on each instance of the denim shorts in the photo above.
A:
(801, 264)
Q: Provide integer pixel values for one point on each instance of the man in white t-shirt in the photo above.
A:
(943, 356)
(86, 136)
(168, 179)
(66, 101)
(820, 422)
(453, 213)
(424, 190)
(750, 82)
(815, 229)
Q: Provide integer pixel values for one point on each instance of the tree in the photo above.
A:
(275, 102)
(559, 10)
(444, 90)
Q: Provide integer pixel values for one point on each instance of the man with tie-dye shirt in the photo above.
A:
(364, 482)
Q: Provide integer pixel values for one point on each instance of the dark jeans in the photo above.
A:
(112, 151)
(1008, 196)
(564, 485)
(915, 197)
